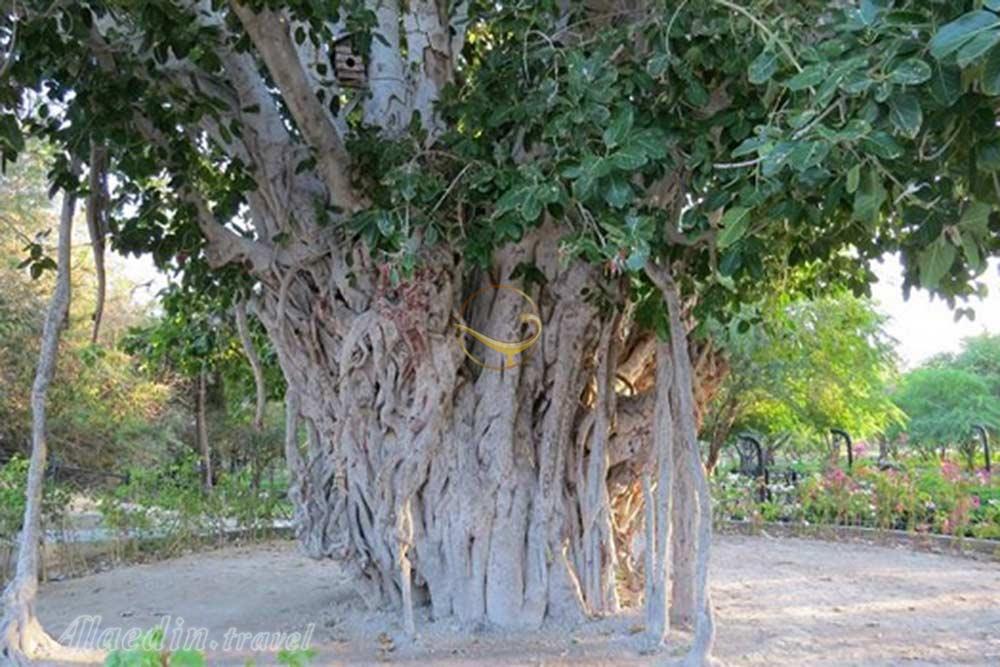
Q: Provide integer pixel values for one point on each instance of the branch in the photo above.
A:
(97, 200)
(269, 33)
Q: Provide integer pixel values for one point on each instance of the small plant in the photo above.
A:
(149, 652)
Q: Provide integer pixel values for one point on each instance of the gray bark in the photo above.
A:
(704, 623)
(486, 460)
(97, 227)
(659, 517)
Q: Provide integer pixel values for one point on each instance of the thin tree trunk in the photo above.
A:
(704, 623)
(598, 541)
(243, 327)
(659, 518)
(683, 544)
(97, 226)
(22, 637)
(202, 427)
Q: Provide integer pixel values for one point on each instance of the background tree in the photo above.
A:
(799, 368)
(639, 169)
(979, 355)
(194, 343)
(102, 411)
(944, 400)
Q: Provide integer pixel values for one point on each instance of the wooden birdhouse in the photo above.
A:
(348, 65)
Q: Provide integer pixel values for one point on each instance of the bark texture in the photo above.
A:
(469, 478)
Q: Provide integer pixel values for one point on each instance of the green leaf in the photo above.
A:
(869, 198)
(637, 258)
(629, 158)
(990, 77)
(853, 131)
(619, 128)
(619, 193)
(508, 202)
(853, 178)
(882, 145)
(696, 94)
(810, 76)
(775, 161)
(808, 154)
(186, 658)
(976, 47)
(935, 261)
(734, 226)
(749, 146)
(906, 114)
(910, 72)
(856, 83)
(972, 254)
(652, 141)
(976, 219)
(946, 86)
(591, 169)
(988, 157)
(531, 206)
(763, 67)
(953, 36)
(658, 64)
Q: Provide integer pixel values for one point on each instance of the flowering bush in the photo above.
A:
(921, 497)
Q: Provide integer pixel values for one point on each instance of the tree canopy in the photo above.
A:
(950, 395)
(745, 140)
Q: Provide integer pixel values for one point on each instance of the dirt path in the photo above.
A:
(778, 601)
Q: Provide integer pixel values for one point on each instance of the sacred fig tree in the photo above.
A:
(369, 174)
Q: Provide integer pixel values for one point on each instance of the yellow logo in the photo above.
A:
(509, 349)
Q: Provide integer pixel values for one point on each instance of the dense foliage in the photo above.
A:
(949, 397)
(819, 137)
(802, 368)
(103, 408)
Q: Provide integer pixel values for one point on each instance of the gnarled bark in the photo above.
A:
(483, 459)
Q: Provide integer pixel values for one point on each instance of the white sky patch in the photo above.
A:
(923, 327)
(143, 274)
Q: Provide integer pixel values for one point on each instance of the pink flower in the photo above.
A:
(951, 471)
(984, 476)
(975, 501)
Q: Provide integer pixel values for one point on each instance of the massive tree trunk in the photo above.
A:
(482, 491)
(488, 493)
(22, 638)
(472, 476)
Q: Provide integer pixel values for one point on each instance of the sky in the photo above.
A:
(923, 327)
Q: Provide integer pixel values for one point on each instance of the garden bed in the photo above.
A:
(964, 546)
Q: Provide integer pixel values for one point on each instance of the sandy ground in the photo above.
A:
(778, 602)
